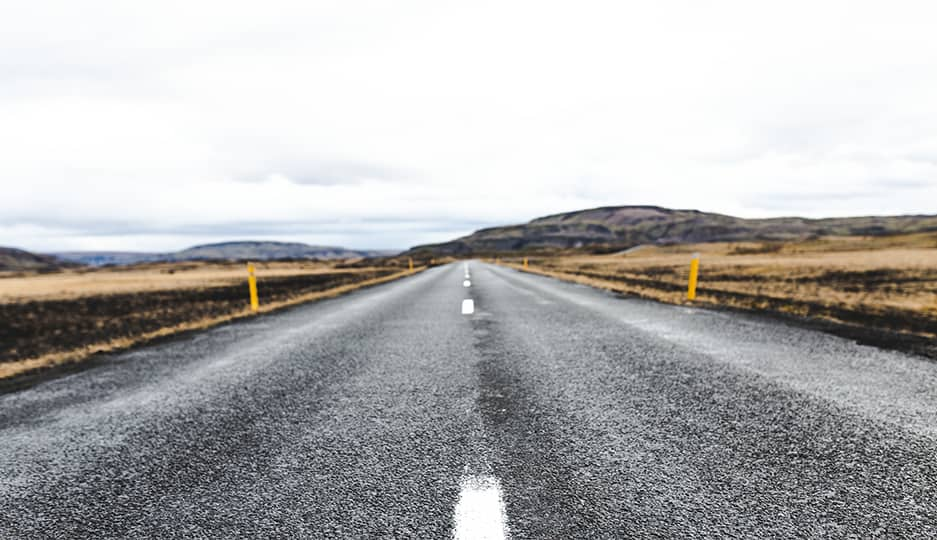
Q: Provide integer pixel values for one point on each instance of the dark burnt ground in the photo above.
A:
(32, 329)
(897, 329)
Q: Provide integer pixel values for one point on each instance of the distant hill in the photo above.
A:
(622, 227)
(101, 258)
(264, 251)
(12, 259)
(247, 250)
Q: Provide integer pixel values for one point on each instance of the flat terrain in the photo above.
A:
(876, 282)
(142, 278)
(49, 319)
(146, 277)
(552, 410)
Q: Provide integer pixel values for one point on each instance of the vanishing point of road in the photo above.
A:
(541, 409)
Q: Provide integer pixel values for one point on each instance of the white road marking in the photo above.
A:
(466, 283)
(479, 513)
(468, 306)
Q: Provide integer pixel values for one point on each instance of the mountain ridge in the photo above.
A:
(16, 260)
(259, 250)
(623, 227)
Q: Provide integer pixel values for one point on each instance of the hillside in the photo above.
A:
(101, 258)
(621, 227)
(245, 250)
(12, 259)
(267, 251)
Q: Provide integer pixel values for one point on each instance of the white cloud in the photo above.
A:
(379, 124)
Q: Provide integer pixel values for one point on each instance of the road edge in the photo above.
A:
(863, 335)
(22, 374)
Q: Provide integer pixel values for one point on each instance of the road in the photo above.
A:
(551, 411)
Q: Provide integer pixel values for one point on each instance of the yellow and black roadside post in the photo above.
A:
(252, 284)
(694, 275)
(411, 263)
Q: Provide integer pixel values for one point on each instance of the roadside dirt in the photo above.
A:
(142, 278)
(903, 330)
(880, 291)
(40, 333)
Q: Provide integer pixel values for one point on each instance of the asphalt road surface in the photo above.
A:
(544, 410)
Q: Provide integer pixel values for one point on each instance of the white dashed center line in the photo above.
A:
(466, 283)
(479, 513)
(468, 306)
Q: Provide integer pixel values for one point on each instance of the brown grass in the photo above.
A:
(102, 285)
(882, 282)
(151, 277)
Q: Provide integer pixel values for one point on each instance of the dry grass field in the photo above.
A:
(884, 283)
(64, 317)
(146, 277)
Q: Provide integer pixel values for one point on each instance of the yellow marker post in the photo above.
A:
(525, 263)
(411, 264)
(252, 283)
(694, 275)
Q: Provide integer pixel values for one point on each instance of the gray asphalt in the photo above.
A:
(602, 417)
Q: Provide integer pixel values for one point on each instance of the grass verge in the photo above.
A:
(44, 334)
(880, 291)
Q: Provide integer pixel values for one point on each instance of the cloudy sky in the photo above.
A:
(154, 126)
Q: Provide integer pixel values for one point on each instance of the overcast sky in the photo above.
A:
(158, 125)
